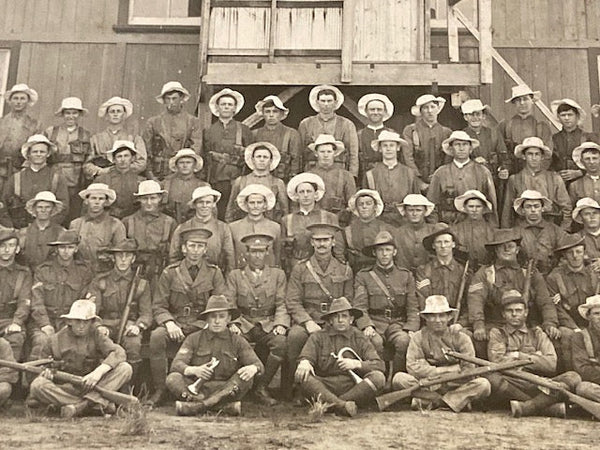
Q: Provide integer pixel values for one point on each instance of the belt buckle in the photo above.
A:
(324, 308)
(387, 313)
(253, 312)
(187, 311)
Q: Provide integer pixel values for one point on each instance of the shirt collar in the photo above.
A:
(99, 218)
(390, 166)
(222, 335)
(333, 332)
(459, 164)
(512, 330)
(507, 264)
(376, 128)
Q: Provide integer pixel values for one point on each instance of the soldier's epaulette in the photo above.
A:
(173, 266)
(214, 266)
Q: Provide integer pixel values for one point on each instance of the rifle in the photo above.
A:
(461, 291)
(386, 400)
(527, 285)
(65, 377)
(592, 407)
(127, 309)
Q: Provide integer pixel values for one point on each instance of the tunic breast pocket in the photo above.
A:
(228, 364)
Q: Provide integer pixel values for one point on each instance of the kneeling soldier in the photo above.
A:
(87, 352)
(258, 291)
(386, 295)
(426, 359)
(339, 364)
(222, 363)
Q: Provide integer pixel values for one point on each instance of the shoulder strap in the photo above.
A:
(18, 184)
(382, 286)
(238, 134)
(54, 134)
(318, 279)
(587, 341)
(247, 280)
(54, 182)
(165, 231)
(508, 130)
(80, 134)
(370, 179)
(288, 222)
(562, 289)
(286, 140)
(19, 283)
(348, 235)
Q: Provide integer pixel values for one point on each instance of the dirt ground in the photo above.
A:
(285, 427)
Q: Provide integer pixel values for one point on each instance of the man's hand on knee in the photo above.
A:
(303, 371)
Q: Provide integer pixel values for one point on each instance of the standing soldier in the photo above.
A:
(181, 183)
(15, 128)
(312, 286)
(220, 250)
(255, 200)
(224, 142)
(285, 139)
(262, 158)
(151, 229)
(116, 111)
(392, 179)
(326, 100)
(334, 356)
(307, 190)
(457, 177)
(258, 291)
(535, 177)
(587, 213)
(35, 177)
(178, 302)
(377, 108)
(474, 230)
(587, 158)
(111, 291)
(73, 148)
(425, 136)
(171, 131)
(34, 239)
(15, 292)
(385, 293)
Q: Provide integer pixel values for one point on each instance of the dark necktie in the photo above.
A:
(193, 270)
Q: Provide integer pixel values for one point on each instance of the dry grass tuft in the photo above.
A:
(317, 409)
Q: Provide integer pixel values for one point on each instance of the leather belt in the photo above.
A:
(258, 312)
(388, 313)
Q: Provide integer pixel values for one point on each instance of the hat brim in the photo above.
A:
(448, 311)
(239, 101)
(128, 106)
(314, 93)
(270, 198)
(459, 203)
(518, 204)
(339, 147)
(377, 198)
(186, 95)
(69, 316)
(110, 194)
(173, 162)
(31, 93)
(428, 208)
(214, 193)
(366, 99)
(356, 313)
(258, 107)
(83, 111)
(537, 95)
(519, 149)
(415, 110)
(428, 240)
(492, 244)
(275, 155)
(235, 313)
(369, 250)
(27, 146)
(576, 212)
(58, 206)
(295, 182)
(375, 143)
(580, 111)
(447, 144)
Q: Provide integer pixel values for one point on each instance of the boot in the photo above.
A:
(503, 390)
(158, 369)
(557, 410)
(261, 393)
(189, 408)
(314, 388)
(361, 394)
(74, 409)
(287, 380)
(5, 391)
(225, 394)
(233, 409)
(531, 407)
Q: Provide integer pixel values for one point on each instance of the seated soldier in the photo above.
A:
(180, 184)
(220, 364)
(586, 349)
(587, 158)
(262, 158)
(258, 291)
(338, 364)
(587, 213)
(426, 359)
(111, 291)
(514, 340)
(86, 351)
(474, 230)
(8, 377)
(178, 300)
(385, 293)
(366, 205)
(569, 284)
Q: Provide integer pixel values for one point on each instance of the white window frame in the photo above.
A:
(4, 66)
(137, 20)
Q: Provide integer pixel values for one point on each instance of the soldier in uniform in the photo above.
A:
(15, 128)
(339, 183)
(587, 213)
(426, 359)
(8, 377)
(220, 385)
(34, 239)
(377, 108)
(97, 229)
(151, 229)
(180, 184)
(409, 238)
(170, 131)
(73, 148)
(116, 111)
(312, 286)
(35, 177)
(178, 301)
(284, 138)
(111, 291)
(306, 190)
(457, 177)
(392, 179)
(514, 340)
(85, 351)
(587, 158)
(57, 283)
(224, 143)
(15, 292)
(262, 158)
(535, 177)
(586, 349)
(425, 136)
(474, 230)
(385, 293)
(220, 250)
(334, 356)
(366, 206)
(258, 292)
(255, 200)
(326, 100)
(504, 273)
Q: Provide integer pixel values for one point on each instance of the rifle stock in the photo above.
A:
(386, 400)
(65, 377)
(527, 285)
(461, 291)
(127, 309)
(590, 406)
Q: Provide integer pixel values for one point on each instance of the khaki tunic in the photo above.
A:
(339, 187)
(568, 290)
(540, 241)
(97, 233)
(125, 184)
(425, 147)
(287, 140)
(244, 227)
(179, 193)
(276, 185)
(586, 186)
(73, 149)
(102, 142)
